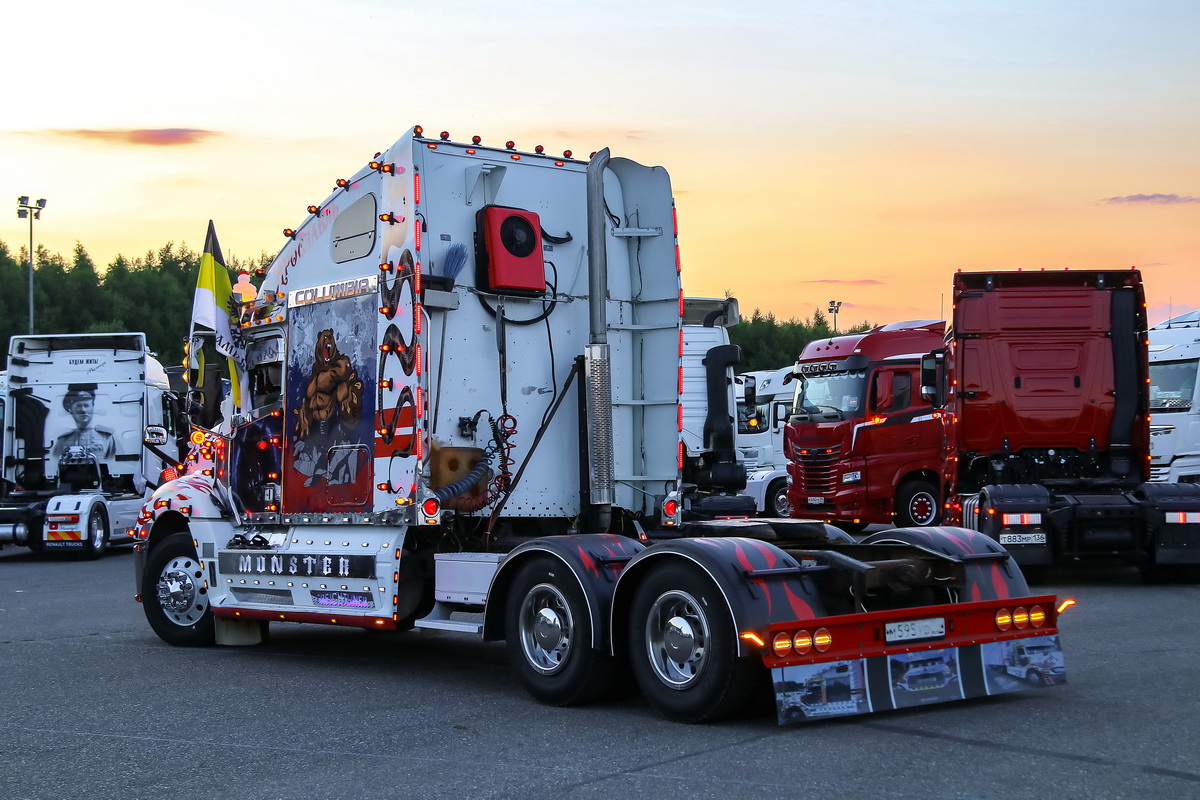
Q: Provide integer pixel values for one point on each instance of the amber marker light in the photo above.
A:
(1037, 616)
(781, 644)
(753, 638)
(1065, 604)
(1020, 618)
(802, 642)
(1004, 619)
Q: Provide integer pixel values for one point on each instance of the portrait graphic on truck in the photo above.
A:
(929, 676)
(1013, 665)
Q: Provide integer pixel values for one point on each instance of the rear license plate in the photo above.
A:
(910, 630)
(816, 501)
(1022, 538)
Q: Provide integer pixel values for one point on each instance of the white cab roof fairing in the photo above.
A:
(696, 309)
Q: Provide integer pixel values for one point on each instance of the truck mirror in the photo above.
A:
(883, 390)
(779, 413)
(750, 390)
(155, 435)
(931, 379)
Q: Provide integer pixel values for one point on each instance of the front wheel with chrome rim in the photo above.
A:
(96, 533)
(174, 596)
(683, 647)
(549, 636)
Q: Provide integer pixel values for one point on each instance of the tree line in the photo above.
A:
(768, 343)
(153, 294)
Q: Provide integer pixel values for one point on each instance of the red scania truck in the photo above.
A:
(463, 413)
(862, 446)
(1044, 377)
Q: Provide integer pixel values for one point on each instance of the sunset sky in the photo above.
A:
(857, 151)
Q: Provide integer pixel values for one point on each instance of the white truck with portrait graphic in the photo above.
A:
(75, 469)
(464, 413)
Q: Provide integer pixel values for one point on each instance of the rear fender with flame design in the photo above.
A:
(754, 603)
(594, 559)
(986, 579)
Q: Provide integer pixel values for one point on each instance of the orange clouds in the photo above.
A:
(156, 137)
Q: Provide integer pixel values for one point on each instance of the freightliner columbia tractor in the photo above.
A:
(1045, 380)
(463, 413)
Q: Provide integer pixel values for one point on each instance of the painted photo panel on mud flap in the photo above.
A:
(924, 677)
(330, 405)
(818, 691)
(1020, 663)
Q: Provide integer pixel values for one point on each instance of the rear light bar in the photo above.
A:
(855, 636)
(1021, 519)
(1182, 517)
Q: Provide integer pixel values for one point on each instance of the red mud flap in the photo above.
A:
(928, 655)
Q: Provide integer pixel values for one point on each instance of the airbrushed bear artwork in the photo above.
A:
(330, 387)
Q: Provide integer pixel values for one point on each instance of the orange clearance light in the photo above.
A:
(802, 642)
(375, 165)
(444, 136)
(1037, 616)
(567, 154)
(1003, 619)
(476, 140)
(822, 640)
(1020, 618)
(1064, 605)
(753, 638)
(418, 130)
(342, 183)
(539, 149)
(288, 232)
(781, 644)
(510, 145)
(388, 169)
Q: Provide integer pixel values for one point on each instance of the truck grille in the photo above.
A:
(1159, 474)
(816, 469)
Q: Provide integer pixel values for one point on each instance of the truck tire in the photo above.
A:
(173, 594)
(682, 647)
(549, 636)
(777, 503)
(917, 505)
(96, 533)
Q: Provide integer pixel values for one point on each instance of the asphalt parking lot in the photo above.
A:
(96, 706)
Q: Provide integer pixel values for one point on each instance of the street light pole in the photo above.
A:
(834, 306)
(24, 209)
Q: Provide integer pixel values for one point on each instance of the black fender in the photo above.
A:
(594, 559)
(754, 603)
(985, 579)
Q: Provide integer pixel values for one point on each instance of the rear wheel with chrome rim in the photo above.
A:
(683, 647)
(549, 636)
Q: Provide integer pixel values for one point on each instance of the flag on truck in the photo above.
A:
(214, 309)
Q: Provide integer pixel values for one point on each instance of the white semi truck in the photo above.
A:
(464, 413)
(764, 407)
(74, 469)
(1174, 403)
